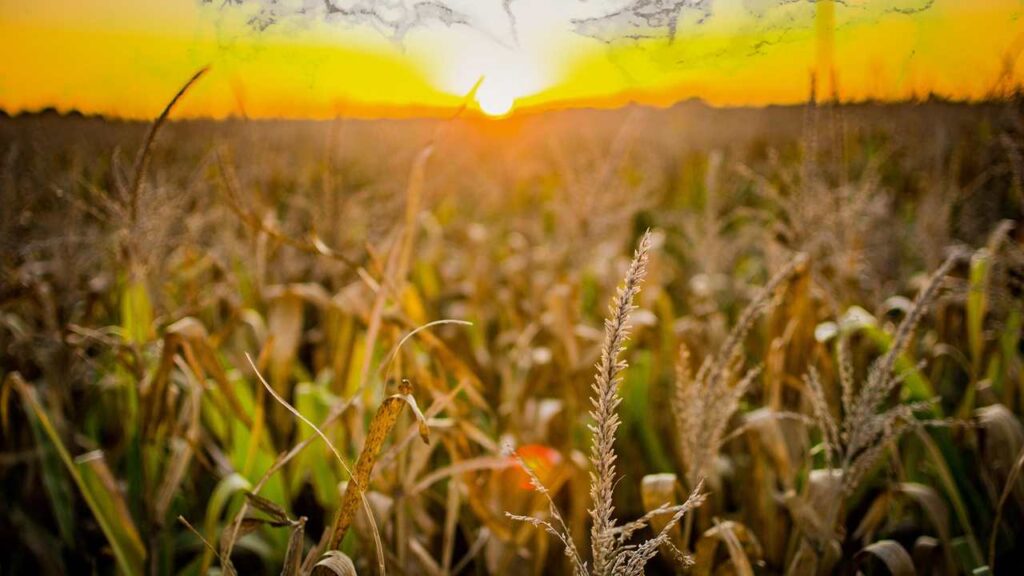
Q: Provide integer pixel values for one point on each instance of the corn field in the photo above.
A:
(681, 341)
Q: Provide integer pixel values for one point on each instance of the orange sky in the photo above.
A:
(127, 57)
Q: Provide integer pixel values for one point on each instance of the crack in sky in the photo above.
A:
(660, 28)
(393, 19)
(608, 21)
(640, 20)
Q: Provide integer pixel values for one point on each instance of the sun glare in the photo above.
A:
(494, 102)
(510, 76)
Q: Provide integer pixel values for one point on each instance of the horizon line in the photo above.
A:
(369, 111)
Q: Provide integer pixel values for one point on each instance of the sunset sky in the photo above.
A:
(298, 59)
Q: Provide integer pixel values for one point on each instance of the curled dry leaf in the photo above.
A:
(272, 510)
(740, 543)
(338, 563)
(405, 393)
(932, 504)
(890, 553)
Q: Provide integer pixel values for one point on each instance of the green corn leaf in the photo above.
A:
(99, 491)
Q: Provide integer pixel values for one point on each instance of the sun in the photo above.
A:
(493, 100)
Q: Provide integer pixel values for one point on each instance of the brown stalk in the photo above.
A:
(142, 160)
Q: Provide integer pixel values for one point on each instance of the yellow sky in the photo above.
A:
(126, 57)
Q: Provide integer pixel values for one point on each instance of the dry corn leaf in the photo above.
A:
(656, 491)
(804, 561)
(284, 322)
(273, 511)
(878, 513)
(892, 554)
(771, 436)
(810, 511)
(293, 554)
(338, 563)
(381, 425)
(739, 542)
(426, 561)
(932, 504)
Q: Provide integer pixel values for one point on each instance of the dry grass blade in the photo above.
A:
(397, 265)
(427, 565)
(389, 361)
(474, 550)
(460, 467)
(804, 561)
(811, 511)
(204, 541)
(451, 519)
(398, 269)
